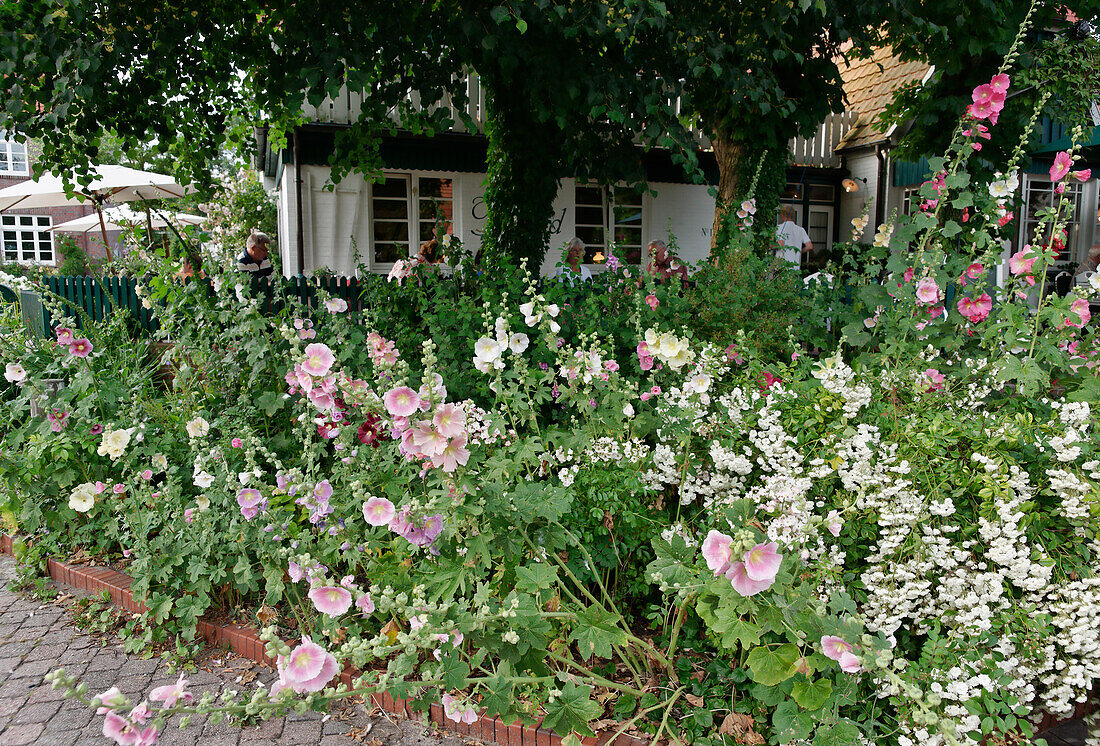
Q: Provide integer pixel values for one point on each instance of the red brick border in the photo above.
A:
(245, 641)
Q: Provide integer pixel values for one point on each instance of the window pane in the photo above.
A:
(628, 214)
(628, 197)
(626, 236)
(386, 253)
(44, 222)
(589, 196)
(392, 187)
(439, 188)
(632, 255)
(392, 209)
(820, 192)
(590, 235)
(390, 231)
(589, 215)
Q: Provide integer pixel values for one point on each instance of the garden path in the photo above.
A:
(37, 637)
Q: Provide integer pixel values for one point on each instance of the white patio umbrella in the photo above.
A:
(121, 217)
(111, 184)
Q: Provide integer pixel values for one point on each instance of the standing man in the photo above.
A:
(795, 239)
(253, 259)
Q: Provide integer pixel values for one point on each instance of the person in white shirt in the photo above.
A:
(574, 271)
(796, 241)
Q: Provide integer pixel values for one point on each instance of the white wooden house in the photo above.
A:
(830, 178)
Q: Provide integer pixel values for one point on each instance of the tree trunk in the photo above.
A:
(729, 155)
(523, 180)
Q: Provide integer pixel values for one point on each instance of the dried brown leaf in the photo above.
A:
(695, 701)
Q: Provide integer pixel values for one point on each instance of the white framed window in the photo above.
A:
(13, 157)
(603, 212)
(27, 239)
(910, 201)
(1039, 195)
(406, 210)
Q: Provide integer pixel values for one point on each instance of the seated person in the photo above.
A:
(662, 265)
(253, 260)
(574, 271)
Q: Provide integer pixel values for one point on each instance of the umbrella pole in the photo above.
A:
(103, 227)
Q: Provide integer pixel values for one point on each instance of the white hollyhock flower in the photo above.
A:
(197, 427)
(203, 480)
(14, 372)
(82, 498)
(517, 343)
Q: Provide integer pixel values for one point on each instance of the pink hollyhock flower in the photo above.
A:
(935, 379)
(330, 600)
(110, 700)
(742, 583)
(250, 502)
(833, 647)
(322, 491)
(646, 396)
(147, 474)
(833, 522)
(929, 291)
(908, 275)
(80, 347)
(336, 305)
(762, 561)
(975, 270)
(294, 570)
(716, 551)
(849, 663)
(236, 443)
(611, 365)
(173, 693)
(1005, 219)
(188, 515)
(1083, 175)
(976, 309)
(986, 94)
(1021, 262)
(981, 110)
(454, 711)
(645, 362)
(429, 442)
(319, 359)
(401, 401)
(455, 454)
(433, 527)
(1063, 162)
(999, 83)
(378, 511)
(652, 301)
(365, 604)
(449, 421)
(118, 489)
(309, 667)
(120, 730)
(1080, 307)
(64, 336)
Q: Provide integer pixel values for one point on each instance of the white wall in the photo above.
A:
(336, 222)
(862, 164)
(684, 210)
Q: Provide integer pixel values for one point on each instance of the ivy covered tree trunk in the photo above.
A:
(729, 155)
(524, 175)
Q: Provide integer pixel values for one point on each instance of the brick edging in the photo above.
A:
(245, 641)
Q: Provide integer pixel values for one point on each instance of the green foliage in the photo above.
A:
(75, 259)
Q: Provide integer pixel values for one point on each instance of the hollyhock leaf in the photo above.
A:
(739, 631)
(596, 632)
(770, 667)
(842, 733)
(534, 578)
(812, 695)
(790, 724)
(572, 711)
(539, 500)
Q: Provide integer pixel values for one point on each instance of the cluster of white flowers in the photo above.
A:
(839, 379)
(489, 351)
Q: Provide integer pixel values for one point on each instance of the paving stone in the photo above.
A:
(40, 712)
(21, 735)
(302, 732)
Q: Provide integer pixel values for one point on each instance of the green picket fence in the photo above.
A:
(100, 296)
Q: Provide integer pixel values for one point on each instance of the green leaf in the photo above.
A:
(535, 500)
(270, 402)
(842, 733)
(771, 667)
(596, 631)
(572, 711)
(536, 577)
(790, 724)
(812, 695)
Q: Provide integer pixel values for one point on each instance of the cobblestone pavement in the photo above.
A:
(36, 638)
